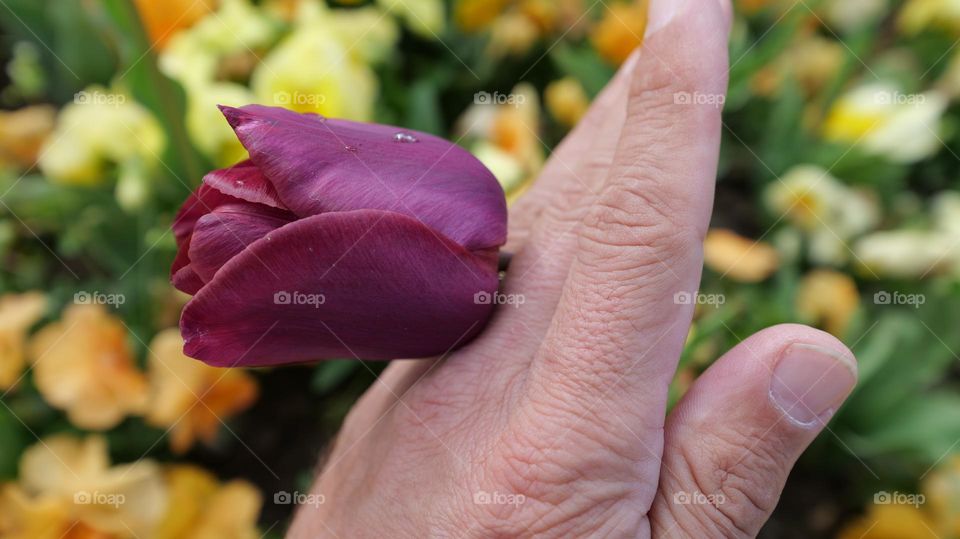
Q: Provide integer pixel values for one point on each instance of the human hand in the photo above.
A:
(553, 422)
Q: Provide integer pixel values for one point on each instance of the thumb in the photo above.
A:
(732, 440)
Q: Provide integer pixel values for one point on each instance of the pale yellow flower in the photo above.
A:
(208, 128)
(739, 258)
(812, 61)
(311, 70)
(942, 490)
(202, 508)
(512, 33)
(918, 15)
(423, 17)
(191, 398)
(18, 312)
(829, 299)
(98, 128)
(903, 128)
(851, 15)
(82, 364)
(621, 30)
(566, 100)
(908, 253)
(67, 488)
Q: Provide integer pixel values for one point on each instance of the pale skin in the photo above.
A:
(553, 423)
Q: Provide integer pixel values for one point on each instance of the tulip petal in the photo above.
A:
(320, 165)
(366, 283)
(199, 203)
(246, 182)
(186, 280)
(226, 231)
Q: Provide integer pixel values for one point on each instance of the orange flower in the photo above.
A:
(22, 134)
(620, 31)
(739, 258)
(83, 365)
(476, 15)
(202, 508)
(828, 298)
(17, 313)
(191, 398)
(164, 19)
(68, 489)
(566, 100)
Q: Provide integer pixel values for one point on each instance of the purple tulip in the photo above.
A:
(336, 239)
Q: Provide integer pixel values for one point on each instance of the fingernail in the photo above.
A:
(661, 12)
(810, 382)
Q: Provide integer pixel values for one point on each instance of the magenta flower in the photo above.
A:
(336, 239)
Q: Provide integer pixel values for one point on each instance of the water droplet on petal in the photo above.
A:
(351, 149)
(405, 137)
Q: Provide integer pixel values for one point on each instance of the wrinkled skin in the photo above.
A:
(557, 412)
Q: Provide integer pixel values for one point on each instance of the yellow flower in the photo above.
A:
(908, 253)
(890, 521)
(506, 128)
(566, 100)
(851, 15)
(942, 491)
(918, 15)
(620, 31)
(422, 17)
(17, 313)
(829, 299)
(475, 15)
(812, 62)
(67, 488)
(207, 127)
(22, 134)
(193, 56)
(739, 258)
(826, 209)
(311, 70)
(83, 364)
(512, 33)
(164, 19)
(190, 398)
(201, 508)
(100, 127)
(883, 121)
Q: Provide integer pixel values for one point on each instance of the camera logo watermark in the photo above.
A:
(697, 298)
(884, 297)
(497, 98)
(898, 98)
(697, 98)
(298, 498)
(85, 97)
(898, 498)
(303, 99)
(99, 298)
(698, 498)
(482, 497)
(496, 298)
(84, 497)
(284, 297)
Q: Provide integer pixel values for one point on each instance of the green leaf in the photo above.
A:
(331, 374)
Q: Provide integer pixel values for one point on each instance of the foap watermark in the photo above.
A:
(95, 97)
(898, 98)
(885, 297)
(284, 297)
(83, 497)
(698, 498)
(298, 498)
(698, 298)
(497, 98)
(84, 297)
(898, 498)
(497, 298)
(482, 497)
(302, 99)
(697, 98)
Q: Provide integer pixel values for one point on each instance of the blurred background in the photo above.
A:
(838, 205)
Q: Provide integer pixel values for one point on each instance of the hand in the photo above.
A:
(553, 422)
